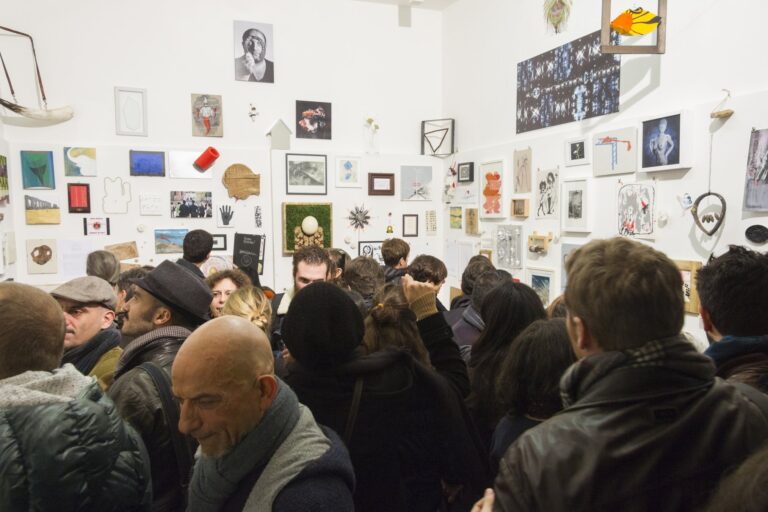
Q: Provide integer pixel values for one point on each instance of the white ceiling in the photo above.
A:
(436, 5)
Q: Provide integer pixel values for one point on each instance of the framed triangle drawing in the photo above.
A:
(437, 137)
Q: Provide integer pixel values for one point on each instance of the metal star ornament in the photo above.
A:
(359, 217)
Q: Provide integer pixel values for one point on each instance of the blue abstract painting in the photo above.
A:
(147, 163)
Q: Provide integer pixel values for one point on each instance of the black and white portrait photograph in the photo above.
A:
(661, 142)
(254, 52)
(577, 151)
(305, 174)
(576, 205)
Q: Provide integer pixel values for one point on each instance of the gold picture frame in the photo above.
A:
(688, 270)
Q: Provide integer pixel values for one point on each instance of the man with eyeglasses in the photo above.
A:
(91, 339)
(253, 65)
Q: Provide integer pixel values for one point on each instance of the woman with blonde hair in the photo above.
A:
(249, 302)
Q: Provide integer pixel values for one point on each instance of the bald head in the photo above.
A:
(32, 337)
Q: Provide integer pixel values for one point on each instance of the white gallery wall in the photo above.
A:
(351, 54)
(709, 47)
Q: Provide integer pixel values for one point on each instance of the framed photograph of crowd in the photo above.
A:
(191, 205)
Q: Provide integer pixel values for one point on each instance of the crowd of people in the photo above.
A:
(160, 388)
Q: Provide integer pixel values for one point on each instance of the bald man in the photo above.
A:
(260, 448)
(253, 65)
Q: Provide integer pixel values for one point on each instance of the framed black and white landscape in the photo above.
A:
(306, 174)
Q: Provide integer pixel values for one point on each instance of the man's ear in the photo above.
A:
(268, 386)
(706, 318)
(108, 319)
(162, 316)
(581, 337)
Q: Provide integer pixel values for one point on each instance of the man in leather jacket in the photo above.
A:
(167, 305)
(646, 424)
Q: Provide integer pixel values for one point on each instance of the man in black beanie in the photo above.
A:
(371, 400)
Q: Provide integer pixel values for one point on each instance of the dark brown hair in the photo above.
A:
(392, 324)
(312, 255)
(427, 269)
(365, 276)
(394, 249)
(237, 276)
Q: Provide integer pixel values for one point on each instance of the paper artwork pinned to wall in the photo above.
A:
(455, 215)
(207, 116)
(181, 164)
(37, 170)
(79, 161)
(615, 152)
(547, 193)
(40, 211)
(5, 197)
(42, 256)
(224, 215)
(9, 248)
(96, 226)
(313, 120)
(522, 171)
(688, 270)
(472, 225)
(370, 250)
(573, 82)
(416, 184)
(348, 171)
(756, 182)
(150, 204)
(257, 216)
(194, 205)
(117, 195)
(437, 137)
(430, 220)
(466, 193)
(492, 181)
(636, 209)
(509, 246)
(557, 13)
(449, 183)
(170, 241)
(124, 250)
(254, 52)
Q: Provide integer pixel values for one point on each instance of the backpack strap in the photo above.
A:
(354, 407)
(755, 396)
(182, 445)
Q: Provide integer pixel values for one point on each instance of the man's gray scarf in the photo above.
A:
(215, 479)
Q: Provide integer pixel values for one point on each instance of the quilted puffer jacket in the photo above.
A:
(64, 447)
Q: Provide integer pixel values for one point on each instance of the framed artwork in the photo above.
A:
(313, 120)
(636, 204)
(492, 183)
(37, 170)
(170, 241)
(466, 172)
(370, 250)
(688, 270)
(577, 151)
(547, 191)
(542, 280)
(415, 183)
(131, 111)
(191, 205)
(306, 224)
(79, 161)
(522, 171)
(472, 226)
(455, 216)
(437, 137)
(509, 246)
(42, 256)
(567, 249)
(305, 174)
(410, 225)
(254, 52)
(615, 152)
(488, 253)
(147, 163)
(521, 208)
(667, 143)
(756, 179)
(79, 197)
(381, 184)
(40, 211)
(348, 170)
(207, 115)
(609, 41)
(96, 226)
(219, 242)
(576, 199)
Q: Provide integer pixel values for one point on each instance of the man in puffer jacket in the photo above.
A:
(63, 445)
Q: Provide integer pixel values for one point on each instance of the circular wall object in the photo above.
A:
(757, 234)
(309, 225)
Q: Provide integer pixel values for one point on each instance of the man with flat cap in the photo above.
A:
(167, 305)
(91, 341)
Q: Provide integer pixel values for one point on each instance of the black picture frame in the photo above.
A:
(219, 243)
(305, 189)
(410, 233)
(466, 172)
(79, 197)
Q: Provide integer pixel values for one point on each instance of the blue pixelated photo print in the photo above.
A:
(147, 163)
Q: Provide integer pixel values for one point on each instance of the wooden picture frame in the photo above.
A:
(521, 208)
(79, 197)
(688, 270)
(466, 172)
(131, 111)
(219, 242)
(410, 225)
(381, 184)
(661, 34)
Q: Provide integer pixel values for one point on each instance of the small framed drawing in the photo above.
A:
(575, 207)
(348, 172)
(79, 196)
(542, 280)
(466, 172)
(381, 184)
(410, 224)
(131, 111)
(219, 243)
(371, 250)
(688, 270)
(577, 151)
(306, 174)
(667, 143)
(520, 208)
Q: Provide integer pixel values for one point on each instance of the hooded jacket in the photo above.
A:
(742, 359)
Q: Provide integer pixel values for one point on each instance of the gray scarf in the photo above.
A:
(215, 479)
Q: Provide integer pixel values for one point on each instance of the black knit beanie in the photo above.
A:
(323, 326)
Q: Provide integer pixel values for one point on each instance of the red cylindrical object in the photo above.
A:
(206, 159)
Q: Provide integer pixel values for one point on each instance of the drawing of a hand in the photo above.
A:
(226, 214)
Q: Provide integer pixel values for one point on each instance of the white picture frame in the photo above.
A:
(131, 111)
(575, 206)
(677, 138)
(542, 280)
(615, 152)
(577, 151)
(348, 172)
